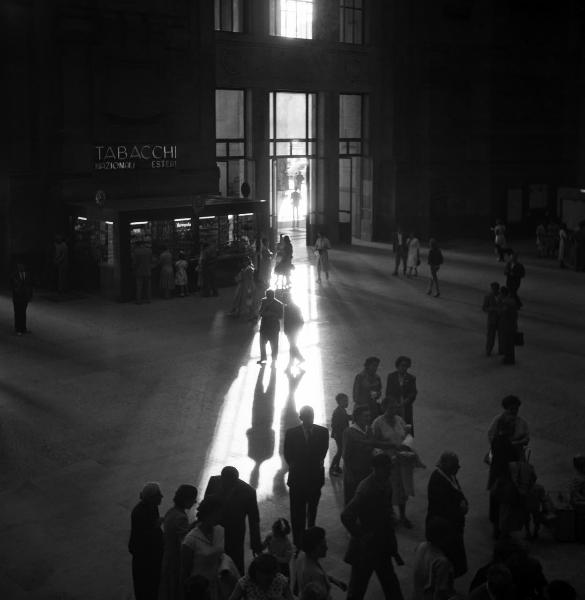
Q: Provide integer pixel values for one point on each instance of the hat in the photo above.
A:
(150, 490)
(511, 402)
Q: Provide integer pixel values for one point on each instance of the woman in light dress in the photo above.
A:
(206, 571)
(181, 278)
(391, 427)
(321, 249)
(413, 257)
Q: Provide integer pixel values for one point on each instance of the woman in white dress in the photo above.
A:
(321, 249)
(413, 257)
(391, 427)
(205, 570)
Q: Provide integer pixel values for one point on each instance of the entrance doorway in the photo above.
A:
(292, 150)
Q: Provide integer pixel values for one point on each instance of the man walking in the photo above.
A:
(271, 311)
(369, 518)
(239, 501)
(491, 306)
(293, 322)
(305, 448)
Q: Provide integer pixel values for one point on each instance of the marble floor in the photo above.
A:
(102, 397)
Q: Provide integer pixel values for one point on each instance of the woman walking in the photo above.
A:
(321, 248)
(167, 278)
(435, 260)
(413, 257)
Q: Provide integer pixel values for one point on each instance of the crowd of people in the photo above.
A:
(177, 560)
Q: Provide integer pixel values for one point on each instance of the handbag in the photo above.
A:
(519, 338)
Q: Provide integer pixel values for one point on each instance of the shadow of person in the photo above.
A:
(261, 435)
(288, 419)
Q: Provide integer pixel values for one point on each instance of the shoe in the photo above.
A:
(261, 361)
(429, 293)
(19, 333)
(437, 295)
(395, 274)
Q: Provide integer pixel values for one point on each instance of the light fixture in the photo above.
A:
(139, 223)
(245, 214)
(109, 222)
(181, 220)
(82, 218)
(201, 218)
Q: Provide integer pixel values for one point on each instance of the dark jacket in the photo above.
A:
(445, 500)
(305, 459)
(238, 503)
(271, 311)
(146, 537)
(22, 288)
(491, 306)
(395, 391)
(370, 520)
(435, 257)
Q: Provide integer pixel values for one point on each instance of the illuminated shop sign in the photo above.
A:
(138, 156)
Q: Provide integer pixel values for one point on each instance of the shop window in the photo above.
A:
(291, 18)
(230, 140)
(229, 15)
(351, 21)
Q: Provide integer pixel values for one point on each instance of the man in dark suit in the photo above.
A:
(305, 448)
(239, 501)
(271, 311)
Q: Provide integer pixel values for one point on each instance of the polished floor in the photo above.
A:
(102, 397)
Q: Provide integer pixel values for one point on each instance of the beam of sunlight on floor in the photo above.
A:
(263, 401)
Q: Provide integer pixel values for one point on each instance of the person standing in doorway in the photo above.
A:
(298, 180)
(22, 291)
(321, 248)
(61, 261)
(296, 201)
(435, 260)
(400, 247)
(305, 448)
(271, 311)
(142, 264)
(491, 306)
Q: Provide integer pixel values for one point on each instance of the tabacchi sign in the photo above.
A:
(137, 156)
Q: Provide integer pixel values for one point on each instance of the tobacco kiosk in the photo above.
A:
(102, 238)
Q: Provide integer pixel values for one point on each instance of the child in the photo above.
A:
(181, 278)
(339, 423)
(278, 544)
